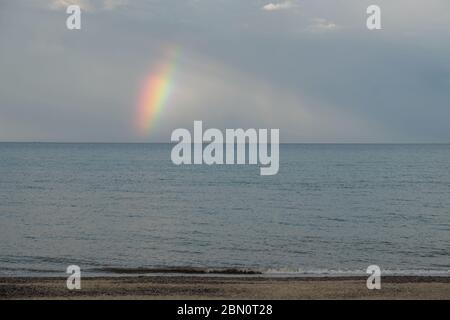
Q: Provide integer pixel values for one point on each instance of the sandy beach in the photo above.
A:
(202, 287)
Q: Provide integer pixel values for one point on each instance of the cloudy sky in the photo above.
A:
(308, 67)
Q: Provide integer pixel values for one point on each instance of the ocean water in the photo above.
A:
(125, 209)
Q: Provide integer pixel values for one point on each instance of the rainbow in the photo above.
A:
(156, 91)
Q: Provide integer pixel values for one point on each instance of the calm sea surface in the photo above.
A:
(118, 208)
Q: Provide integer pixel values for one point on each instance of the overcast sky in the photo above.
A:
(308, 67)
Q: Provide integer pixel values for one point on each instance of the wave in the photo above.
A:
(270, 272)
(178, 270)
(98, 270)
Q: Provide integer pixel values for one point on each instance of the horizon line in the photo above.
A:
(123, 142)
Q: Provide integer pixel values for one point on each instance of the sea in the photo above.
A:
(126, 209)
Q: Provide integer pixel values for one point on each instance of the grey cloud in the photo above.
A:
(240, 67)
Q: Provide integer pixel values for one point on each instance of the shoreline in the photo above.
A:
(226, 287)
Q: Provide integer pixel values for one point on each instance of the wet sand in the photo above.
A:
(202, 287)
